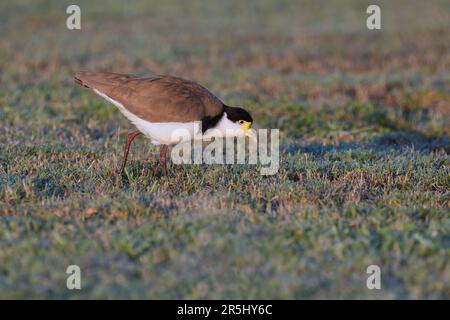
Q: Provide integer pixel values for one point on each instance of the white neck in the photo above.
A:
(225, 127)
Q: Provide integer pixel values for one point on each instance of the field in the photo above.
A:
(364, 119)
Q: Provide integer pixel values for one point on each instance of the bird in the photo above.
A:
(160, 104)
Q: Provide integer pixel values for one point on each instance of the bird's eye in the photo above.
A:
(241, 121)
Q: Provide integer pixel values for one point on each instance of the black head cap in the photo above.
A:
(235, 114)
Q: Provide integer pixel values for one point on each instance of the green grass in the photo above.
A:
(364, 175)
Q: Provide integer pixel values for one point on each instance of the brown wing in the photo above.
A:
(156, 99)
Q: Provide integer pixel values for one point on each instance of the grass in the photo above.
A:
(364, 172)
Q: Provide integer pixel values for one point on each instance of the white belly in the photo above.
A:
(158, 132)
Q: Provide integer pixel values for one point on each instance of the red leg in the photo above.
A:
(162, 158)
(130, 139)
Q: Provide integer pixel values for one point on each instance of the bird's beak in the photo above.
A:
(246, 128)
(251, 134)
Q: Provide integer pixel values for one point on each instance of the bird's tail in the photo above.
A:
(100, 80)
(79, 79)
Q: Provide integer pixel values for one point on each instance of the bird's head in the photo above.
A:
(241, 119)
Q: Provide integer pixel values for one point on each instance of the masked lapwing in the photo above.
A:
(159, 105)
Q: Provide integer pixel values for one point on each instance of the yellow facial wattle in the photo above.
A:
(245, 125)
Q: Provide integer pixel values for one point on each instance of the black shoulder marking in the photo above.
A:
(210, 122)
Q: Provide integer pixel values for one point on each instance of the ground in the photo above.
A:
(364, 173)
